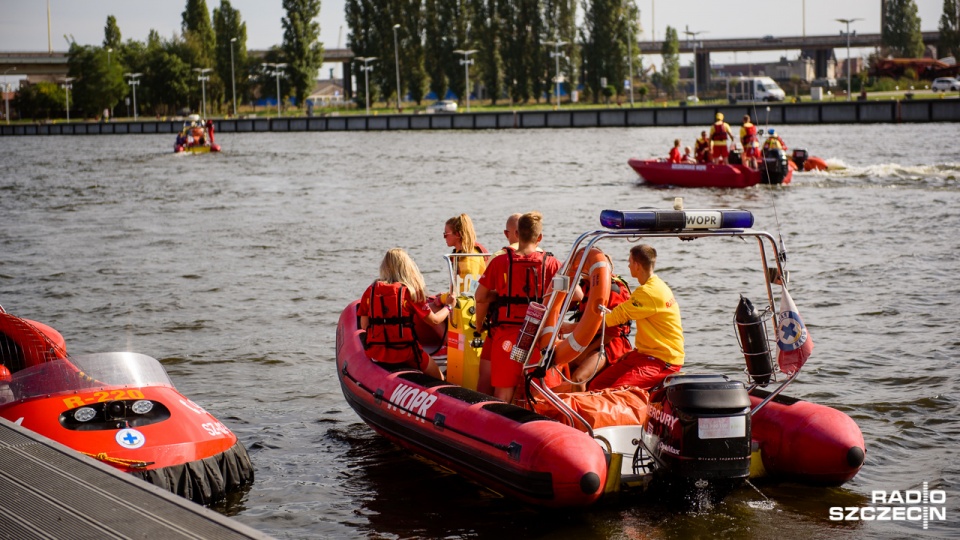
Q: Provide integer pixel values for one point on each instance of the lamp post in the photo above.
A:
(5, 94)
(694, 34)
(277, 70)
(233, 77)
(109, 50)
(67, 85)
(203, 78)
(466, 61)
(556, 55)
(396, 55)
(366, 67)
(847, 22)
(133, 79)
(630, 63)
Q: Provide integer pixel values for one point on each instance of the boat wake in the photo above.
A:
(937, 174)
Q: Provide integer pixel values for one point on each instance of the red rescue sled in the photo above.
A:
(118, 408)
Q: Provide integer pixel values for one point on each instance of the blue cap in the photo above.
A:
(772, 131)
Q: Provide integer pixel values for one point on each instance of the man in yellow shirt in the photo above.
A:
(658, 343)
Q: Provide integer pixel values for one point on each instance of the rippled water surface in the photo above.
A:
(233, 269)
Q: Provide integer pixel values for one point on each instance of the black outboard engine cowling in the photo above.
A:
(735, 158)
(799, 157)
(698, 429)
(775, 167)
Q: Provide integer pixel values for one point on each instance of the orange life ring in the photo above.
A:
(196, 132)
(597, 267)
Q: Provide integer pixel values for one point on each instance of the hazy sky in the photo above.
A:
(23, 23)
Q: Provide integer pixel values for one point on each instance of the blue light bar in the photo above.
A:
(676, 220)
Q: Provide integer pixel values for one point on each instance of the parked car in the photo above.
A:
(945, 84)
(443, 106)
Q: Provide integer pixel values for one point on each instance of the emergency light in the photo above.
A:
(676, 220)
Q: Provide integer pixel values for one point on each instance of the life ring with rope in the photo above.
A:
(598, 270)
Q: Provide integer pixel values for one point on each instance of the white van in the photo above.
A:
(754, 89)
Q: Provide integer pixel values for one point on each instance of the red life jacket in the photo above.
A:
(750, 135)
(526, 283)
(719, 133)
(619, 293)
(390, 324)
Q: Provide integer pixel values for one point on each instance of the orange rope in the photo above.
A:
(132, 463)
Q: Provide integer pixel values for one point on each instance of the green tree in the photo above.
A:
(303, 51)
(410, 35)
(40, 100)
(670, 74)
(111, 34)
(949, 42)
(608, 26)
(196, 22)
(231, 51)
(900, 34)
(364, 41)
(486, 33)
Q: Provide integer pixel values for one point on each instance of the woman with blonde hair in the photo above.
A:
(387, 310)
(459, 233)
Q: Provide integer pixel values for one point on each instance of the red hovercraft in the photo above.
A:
(707, 431)
(119, 408)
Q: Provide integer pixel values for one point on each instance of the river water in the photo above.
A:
(232, 269)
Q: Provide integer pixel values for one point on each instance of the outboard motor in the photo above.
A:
(775, 166)
(698, 433)
(799, 157)
(752, 334)
(735, 158)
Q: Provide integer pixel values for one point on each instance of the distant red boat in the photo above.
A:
(777, 170)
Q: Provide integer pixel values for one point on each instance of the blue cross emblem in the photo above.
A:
(130, 438)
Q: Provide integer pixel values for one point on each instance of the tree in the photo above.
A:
(410, 35)
(196, 21)
(363, 39)
(111, 34)
(670, 74)
(40, 100)
(486, 33)
(231, 56)
(608, 26)
(949, 42)
(301, 47)
(900, 32)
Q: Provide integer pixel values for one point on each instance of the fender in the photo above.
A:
(753, 341)
(599, 271)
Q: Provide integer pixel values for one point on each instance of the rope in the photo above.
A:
(132, 463)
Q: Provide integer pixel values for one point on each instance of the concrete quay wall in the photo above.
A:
(854, 112)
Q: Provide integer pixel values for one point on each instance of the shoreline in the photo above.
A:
(775, 114)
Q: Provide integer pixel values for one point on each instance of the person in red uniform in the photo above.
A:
(616, 340)
(719, 133)
(702, 148)
(509, 284)
(387, 310)
(675, 155)
(750, 142)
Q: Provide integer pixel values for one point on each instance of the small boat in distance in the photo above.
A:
(775, 168)
(119, 408)
(196, 137)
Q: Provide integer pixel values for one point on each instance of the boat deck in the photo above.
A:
(51, 491)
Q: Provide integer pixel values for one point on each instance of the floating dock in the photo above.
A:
(51, 491)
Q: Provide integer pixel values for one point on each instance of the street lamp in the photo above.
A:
(557, 55)
(233, 77)
(466, 61)
(203, 78)
(366, 67)
(109, 50)
(67, 85)
(847, 22)
(6, 99)
(133, 79)
(694, 34)
(277, 70)
(630, 63)
(396, 55)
